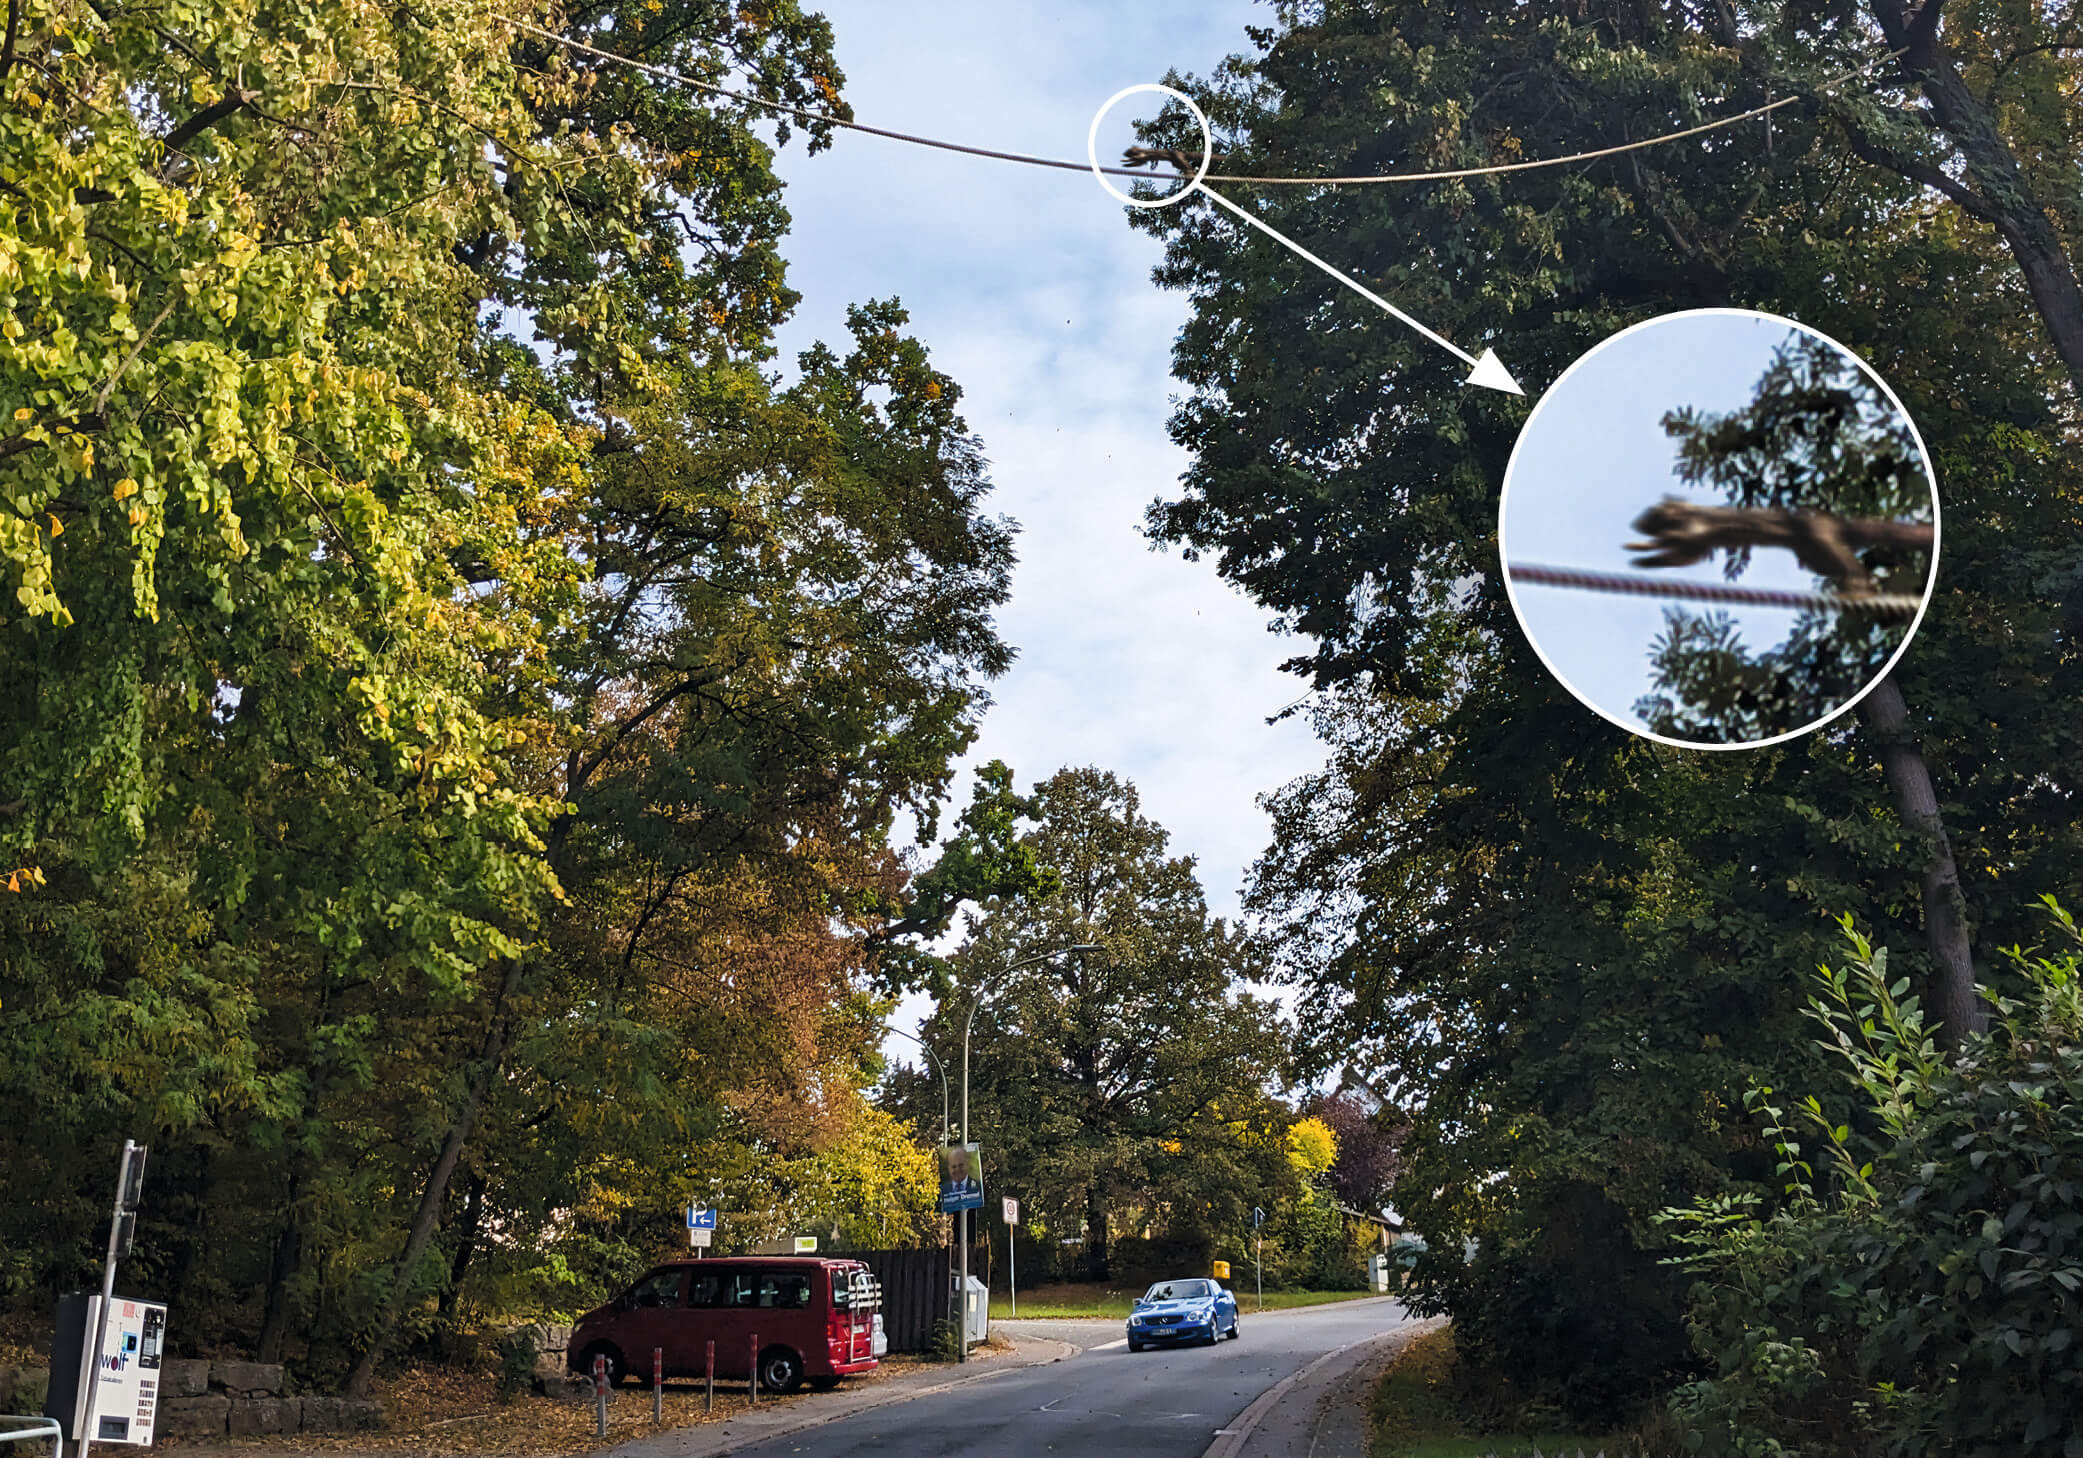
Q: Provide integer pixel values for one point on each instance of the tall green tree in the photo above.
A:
(1573, 949)
(1139, 1076)
(461, 698)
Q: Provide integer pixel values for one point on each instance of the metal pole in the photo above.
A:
(1258, 1268)
(1012, 1267)
(600, 1397)
(709, 1394)
(658, 1384)
(108, 1294)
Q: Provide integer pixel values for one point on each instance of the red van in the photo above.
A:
(814, 1318)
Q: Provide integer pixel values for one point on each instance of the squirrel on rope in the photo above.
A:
(1153, 156)
(1681, 533)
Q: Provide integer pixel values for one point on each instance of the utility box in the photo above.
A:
(976, 1312)
(1221, 1271)
(1378, 1271)
(114, 1398)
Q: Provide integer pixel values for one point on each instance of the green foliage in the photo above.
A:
(518, 1353)
(1919, 1289)
(1818, 435)
(1565, 951)
(456, 702)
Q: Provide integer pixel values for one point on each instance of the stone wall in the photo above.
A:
(247, 1400)
(216, 1399)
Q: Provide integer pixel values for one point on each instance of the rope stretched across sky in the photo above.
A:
(1883, 606)
(827, 119)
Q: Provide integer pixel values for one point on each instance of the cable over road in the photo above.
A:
(1881, 606)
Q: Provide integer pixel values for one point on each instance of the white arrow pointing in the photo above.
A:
(1488, 371)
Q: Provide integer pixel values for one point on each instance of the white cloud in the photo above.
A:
(1030, 288)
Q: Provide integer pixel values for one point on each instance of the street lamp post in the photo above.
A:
(966, 1226)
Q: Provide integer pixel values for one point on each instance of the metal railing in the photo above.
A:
(39, 1427)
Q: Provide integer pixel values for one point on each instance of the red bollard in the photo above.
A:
(755, 1369)
(709, 1396)
(600, 1397)
(658, 1384)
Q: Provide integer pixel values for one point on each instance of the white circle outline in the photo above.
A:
(1092, 145)
(1930, 577)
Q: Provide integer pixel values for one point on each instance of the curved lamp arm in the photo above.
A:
(938, 1067)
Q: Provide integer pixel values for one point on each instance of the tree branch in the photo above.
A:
(1866, 149)
(14, 23)
(208, 117)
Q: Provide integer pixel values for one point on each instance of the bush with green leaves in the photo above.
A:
(1921, 1291)
(519, 1350)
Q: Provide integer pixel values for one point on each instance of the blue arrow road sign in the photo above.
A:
(698, 1219)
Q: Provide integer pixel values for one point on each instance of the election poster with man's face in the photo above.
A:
(961, 1178)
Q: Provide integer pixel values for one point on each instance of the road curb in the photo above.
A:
(715, 1440)
(1231, 1440)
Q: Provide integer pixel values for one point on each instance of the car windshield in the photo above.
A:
(1179, 1290)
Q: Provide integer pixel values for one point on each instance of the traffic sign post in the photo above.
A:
(1012, 1253)
(1258, 1258)
(701, 1228)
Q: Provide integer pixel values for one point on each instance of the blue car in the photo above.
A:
(1173, 1313)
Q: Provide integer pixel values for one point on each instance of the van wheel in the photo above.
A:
(618, 1370)
(780, 1370)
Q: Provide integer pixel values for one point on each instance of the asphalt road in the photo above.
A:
(1153, 1404)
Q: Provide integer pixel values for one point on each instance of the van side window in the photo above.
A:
(784, 1290)
(660, 1288)
(707, 1291)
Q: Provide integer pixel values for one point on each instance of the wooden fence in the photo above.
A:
(916, 1292)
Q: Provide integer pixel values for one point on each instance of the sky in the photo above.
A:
(1591, 457)
(1029, 287)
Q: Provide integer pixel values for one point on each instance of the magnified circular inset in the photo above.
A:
(1719, 529)
(1200, 119)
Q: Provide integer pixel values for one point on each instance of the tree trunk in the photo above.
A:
(1996, 189)
(497, 1032)
(287, 1258)
(283, 1264)
(471, 1226)
(1954, 999)
(1096, 1268)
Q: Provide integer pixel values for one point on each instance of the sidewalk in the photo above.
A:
(708, 1440)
